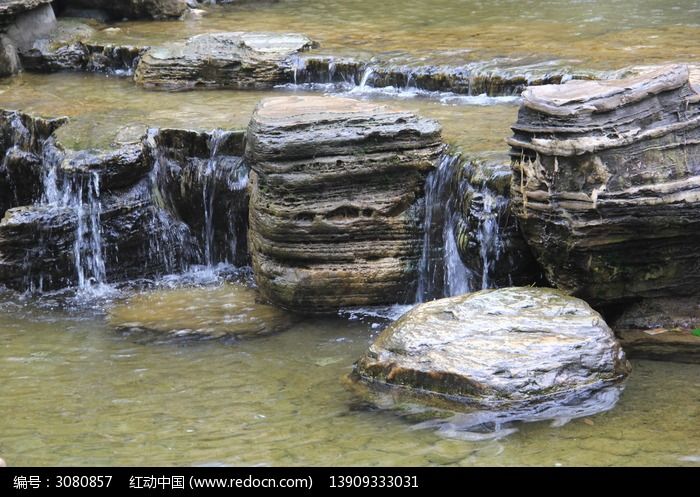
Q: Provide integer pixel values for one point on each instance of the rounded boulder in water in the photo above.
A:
(507, 349)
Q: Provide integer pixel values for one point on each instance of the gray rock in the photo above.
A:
(31, 25)
(606, 185)
(335, 209)
(9, 59)
(222, 60)
(496, 349)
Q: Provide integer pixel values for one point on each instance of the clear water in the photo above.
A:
(76, 392)
(600, 34)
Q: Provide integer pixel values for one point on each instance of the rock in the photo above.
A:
(130, 9)
(202, 180)
(24, 145)
(9, 60)
(335, 209)
(497, 77)
(676, 345)
(31, 25)
(606, 185)
(3, 464)
(222, 60)
(155, 201)
(117, 169)
(229, 310)
(69, 49)
(487, 234)
(496, 349)
(659, 329)
(21, 23)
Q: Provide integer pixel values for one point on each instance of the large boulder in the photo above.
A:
(21, 23)
(606, 185)
(336, 208)
(496, 349)
(130, 9)
(222, 60)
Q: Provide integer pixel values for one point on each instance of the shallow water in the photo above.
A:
(103, 108)
(76, 392)
(596, 34)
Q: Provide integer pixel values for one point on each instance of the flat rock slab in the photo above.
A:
(606, 185)
(336, 201)
(222, 60)
(229, 310)
(497, 349)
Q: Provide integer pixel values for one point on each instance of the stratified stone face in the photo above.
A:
(606, 185)
(335, 210)
(496, 349)
(222, 60)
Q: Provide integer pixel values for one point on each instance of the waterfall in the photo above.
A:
(488, 234)
(442, 271)
(207, 175)
(369, 71)
(88, 249)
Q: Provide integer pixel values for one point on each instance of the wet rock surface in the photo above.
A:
(336, 187)
(21, 23)
(222, 60)
(606, 185)
(89, 217)
(496, 349)
(486, 231)
(230, 310)
(201, 179)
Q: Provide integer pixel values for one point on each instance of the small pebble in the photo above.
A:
(3, 464)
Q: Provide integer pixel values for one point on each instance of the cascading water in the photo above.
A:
(441, 271)
(83, 195)
(207, 176)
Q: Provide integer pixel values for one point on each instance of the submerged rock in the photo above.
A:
(130, 9)
(230, 310)
(335, 209)
(496, 349)
(222, 60)
(606, 185)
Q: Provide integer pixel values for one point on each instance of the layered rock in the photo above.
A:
(222, 60)
(496, 349)
(499, 77)
(24, 145)
(201, 179)
(606, 185)
(130, 9)
(83, 218)
(335, 209)
(487, 234)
